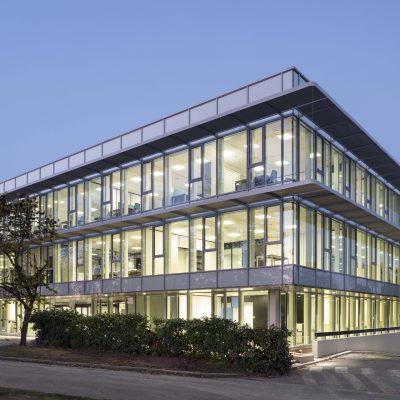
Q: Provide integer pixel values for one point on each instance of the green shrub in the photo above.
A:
(216, 338)
(116, 332)
(55, 327)
(269, 351)
(263, 350)
(171, 337)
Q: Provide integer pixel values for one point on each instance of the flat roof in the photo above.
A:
(286, 90)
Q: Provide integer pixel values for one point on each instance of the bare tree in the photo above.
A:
(22, 227)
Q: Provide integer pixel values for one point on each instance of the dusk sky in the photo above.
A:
(74, 73)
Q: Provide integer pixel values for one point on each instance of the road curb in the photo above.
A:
(332, 356)
(146, 370)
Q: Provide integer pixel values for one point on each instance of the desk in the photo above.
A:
(240, 185)
(179, 199)
(275, 259)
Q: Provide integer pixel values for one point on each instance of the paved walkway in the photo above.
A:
(6, 340)
(377, 374)
(354, 376)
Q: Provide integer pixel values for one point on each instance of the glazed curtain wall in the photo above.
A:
(308, 311)
(228, 240)
(272, 235)
(332, 245)
(279, 151)
(244, 306)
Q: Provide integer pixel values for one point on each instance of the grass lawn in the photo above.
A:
(14, 394)
(116, 359)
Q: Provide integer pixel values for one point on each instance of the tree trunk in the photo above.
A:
(25, 322)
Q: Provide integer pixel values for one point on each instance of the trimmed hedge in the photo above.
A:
(263, 350)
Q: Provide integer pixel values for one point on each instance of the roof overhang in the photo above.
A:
(309, 99)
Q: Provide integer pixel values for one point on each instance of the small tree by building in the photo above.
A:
(22, 226)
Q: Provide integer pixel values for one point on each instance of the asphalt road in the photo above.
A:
(355, 376)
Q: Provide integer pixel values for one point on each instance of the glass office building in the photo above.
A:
(265, 205)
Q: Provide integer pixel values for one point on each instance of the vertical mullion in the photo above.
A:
(296, 148)
(152, 184)
(282, 149)
(249, 155)
(153, 236)
(202, 170)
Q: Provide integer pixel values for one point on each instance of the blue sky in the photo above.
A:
(73, 73)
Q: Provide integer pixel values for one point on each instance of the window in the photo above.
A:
(233, 244)
(95, 257)
(328, 165)
(200, 304)
(93, 200)
(318, 157)
(203, 244)
(106, 196)
(255, 309)
(307, 237)
(233, 163)
(132, 248)
(203, 170)
(337, 170)
(360, 185)
(289, 233)
(72, 206)
(116, 198)
(319, 241)
(337, 259)
(178, 247)
(178, 178)
(257, 236)
(177, 306)
(327, 243)
(47, 257)
(154, 250)
(132, 178)
(381, 198)
(112, 251)
(288, 140)
(61, 208)
(307, 154)
(256, 157)
(80, 204)
(273, 248)
(226, 305)
(63, 262)
(153, 184)
(80, 260)
(273, 151)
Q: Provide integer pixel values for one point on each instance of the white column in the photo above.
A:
(274, 308)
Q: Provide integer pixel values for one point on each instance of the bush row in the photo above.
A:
(263, 350)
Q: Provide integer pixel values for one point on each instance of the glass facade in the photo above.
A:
(212, 218)
(280, 151)
(273, 235)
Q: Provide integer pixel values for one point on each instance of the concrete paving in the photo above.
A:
(6, 340)
(354, 376)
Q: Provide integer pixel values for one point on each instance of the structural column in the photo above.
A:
(274, 307)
